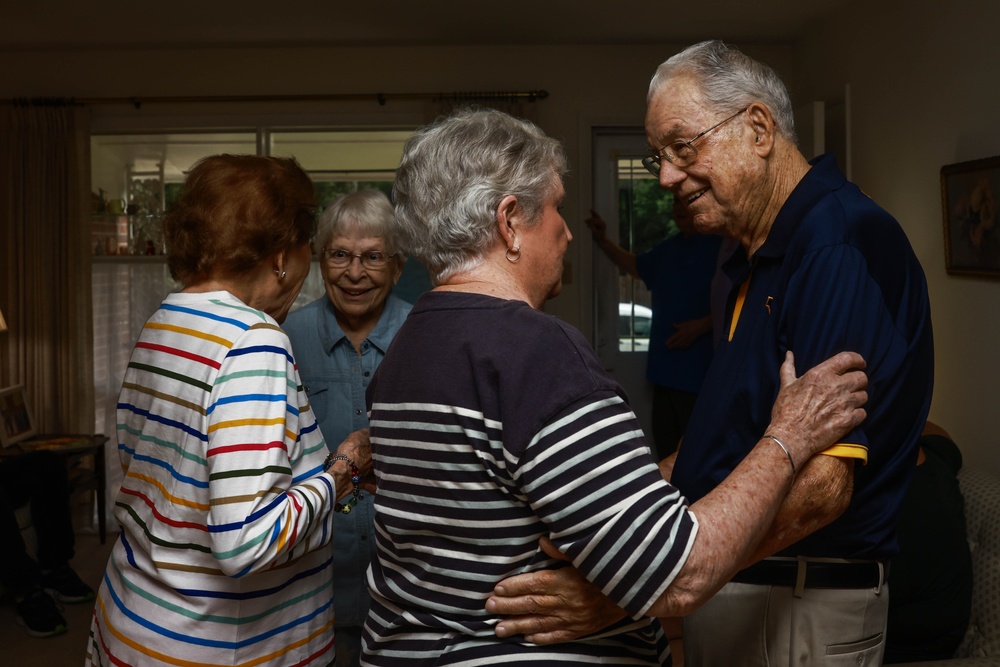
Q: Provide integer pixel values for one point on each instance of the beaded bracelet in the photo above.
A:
(345, 508)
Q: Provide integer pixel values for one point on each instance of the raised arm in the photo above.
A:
(622, 258)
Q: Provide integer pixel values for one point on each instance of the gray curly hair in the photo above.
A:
(368, 211)
(453, 175)
(729, 80)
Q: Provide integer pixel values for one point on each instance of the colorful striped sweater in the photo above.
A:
(226, 516)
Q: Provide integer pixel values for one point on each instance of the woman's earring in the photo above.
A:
(513, 254)
(281, 276)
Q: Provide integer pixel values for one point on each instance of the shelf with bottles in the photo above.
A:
(119, 236)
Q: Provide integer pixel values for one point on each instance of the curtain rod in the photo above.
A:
(381, 98)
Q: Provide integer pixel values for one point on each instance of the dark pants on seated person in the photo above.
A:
(38, 478)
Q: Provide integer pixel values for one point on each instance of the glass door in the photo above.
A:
(638, 213)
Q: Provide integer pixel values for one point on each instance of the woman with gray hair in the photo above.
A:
(502, 446)
(339, 340)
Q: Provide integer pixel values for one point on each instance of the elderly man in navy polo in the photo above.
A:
(823, 269)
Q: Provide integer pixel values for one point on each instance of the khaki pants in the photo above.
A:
(753, 625)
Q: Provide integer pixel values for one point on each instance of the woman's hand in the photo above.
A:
(357, 447)
(813, 411)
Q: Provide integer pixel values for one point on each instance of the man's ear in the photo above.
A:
(764, 128)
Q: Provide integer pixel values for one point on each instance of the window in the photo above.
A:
(134, 180)
(645, 215)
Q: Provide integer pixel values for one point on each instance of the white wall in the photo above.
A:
(924, 93)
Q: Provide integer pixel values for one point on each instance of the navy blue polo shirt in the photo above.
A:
(835, 273)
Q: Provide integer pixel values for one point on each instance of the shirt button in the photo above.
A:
(367, 373)
(357, 412)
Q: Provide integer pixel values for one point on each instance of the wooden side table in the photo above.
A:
(84, 457)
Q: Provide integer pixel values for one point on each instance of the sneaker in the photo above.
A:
(65, 586)
(38, 614)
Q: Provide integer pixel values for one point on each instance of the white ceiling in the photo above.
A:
(71, 24)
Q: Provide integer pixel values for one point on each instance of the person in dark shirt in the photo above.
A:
(931, 595)
(678, 271)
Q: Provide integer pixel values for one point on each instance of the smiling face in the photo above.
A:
(718, 188)
(358, 293)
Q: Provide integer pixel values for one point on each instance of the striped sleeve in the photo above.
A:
(586, 480)
(588, 477)
(261, 515)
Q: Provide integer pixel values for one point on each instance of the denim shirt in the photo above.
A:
(335, 379)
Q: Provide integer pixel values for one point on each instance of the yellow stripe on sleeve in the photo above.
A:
(847, 450)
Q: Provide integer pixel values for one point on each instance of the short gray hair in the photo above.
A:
(729, 80)
(367, 211)
(455, 172)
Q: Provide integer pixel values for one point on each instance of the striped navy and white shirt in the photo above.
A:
(492, 425)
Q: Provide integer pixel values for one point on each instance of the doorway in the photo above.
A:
(638, 213)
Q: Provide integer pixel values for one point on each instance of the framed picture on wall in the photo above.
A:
(16, 417)
(969, 196)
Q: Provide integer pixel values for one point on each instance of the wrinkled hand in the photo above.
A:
(357, 447)
(551, 606)
(813, 411)
(598, 228)
(688, 332)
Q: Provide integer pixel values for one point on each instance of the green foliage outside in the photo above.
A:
(327, 191)
(645, 212)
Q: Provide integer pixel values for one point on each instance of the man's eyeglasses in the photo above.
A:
(341, 259)
(680, 153)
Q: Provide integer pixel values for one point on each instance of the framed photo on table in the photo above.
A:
(16, 416)
(969, 198)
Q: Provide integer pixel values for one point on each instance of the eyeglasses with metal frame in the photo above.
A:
(339, 258)
(680, 152)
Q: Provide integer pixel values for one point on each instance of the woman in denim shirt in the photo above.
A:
(339, 340)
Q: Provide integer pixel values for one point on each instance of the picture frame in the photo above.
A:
(970, 192)
(16, 423)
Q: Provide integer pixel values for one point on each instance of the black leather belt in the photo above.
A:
(818, 574)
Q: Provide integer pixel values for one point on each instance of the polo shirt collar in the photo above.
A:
(823, 178)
